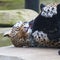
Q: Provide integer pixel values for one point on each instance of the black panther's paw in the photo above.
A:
(59, 52)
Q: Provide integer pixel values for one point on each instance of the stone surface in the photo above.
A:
(13, 16)
(2, 30)
(13, 53)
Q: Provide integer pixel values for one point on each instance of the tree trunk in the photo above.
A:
(32, 4)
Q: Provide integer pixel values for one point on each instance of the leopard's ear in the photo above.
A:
(7, 33)
(41, 6)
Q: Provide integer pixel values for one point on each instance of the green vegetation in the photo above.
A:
(11, 4)
(49, 1)
(17, 4)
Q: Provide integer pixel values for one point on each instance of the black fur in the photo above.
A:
(59, 52)
(51, 25)
(31, 23)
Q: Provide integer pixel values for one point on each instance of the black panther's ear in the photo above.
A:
(58, 8)
(41, 6)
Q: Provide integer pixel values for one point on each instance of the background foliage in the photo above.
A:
(17, 4)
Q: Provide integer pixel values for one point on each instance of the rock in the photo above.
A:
(13, 16)
(9, 58)
(13, 53)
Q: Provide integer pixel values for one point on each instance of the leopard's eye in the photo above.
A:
(17, 29)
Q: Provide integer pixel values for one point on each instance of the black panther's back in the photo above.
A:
(44, 24)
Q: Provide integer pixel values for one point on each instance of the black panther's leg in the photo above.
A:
(59, 52)
(54, 36)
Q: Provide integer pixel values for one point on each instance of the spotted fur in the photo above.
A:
(48, 10)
